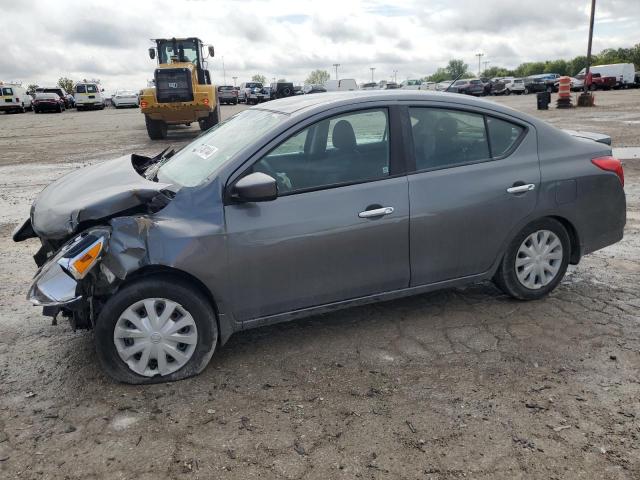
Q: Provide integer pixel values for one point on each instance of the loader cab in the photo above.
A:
(183, 50)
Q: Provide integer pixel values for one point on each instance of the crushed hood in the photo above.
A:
(90, 194)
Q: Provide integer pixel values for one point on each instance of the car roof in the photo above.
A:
(309, 104)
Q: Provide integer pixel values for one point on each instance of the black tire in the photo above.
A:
(210, 121)
(158, 286)
(506, 278)
(526, 91)
(507, 92)
(157, 129)
(59, 109)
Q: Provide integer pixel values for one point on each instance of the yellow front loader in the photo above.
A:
(183, 92)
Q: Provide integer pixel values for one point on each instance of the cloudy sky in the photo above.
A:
(43, 40)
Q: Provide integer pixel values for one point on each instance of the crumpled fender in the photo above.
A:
(182, 236)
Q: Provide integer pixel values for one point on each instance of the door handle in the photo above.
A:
(376, 212)
(521, 188)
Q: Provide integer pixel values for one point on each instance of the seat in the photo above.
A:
(448, 151)
(344, 138)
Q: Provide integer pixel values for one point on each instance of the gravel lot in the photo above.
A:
(463, 383)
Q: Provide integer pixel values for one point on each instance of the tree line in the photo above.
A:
(563, 67)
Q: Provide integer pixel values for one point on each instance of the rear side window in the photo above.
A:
(502, 135)
(446, 138)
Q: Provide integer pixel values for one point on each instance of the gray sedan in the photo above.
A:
(309, 204)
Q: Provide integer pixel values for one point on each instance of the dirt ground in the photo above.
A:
(462, 383)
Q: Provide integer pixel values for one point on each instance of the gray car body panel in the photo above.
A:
(296, 255)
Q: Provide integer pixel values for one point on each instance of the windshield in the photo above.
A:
(187, 51)
(201, 158)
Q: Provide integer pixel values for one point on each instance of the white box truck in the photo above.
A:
(624, 73)
(344, 85)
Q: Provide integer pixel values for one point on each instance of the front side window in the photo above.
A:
(446, 138)
(340, 150)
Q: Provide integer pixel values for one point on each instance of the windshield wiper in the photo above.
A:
(151, 173)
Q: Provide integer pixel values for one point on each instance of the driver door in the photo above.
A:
(325, 238)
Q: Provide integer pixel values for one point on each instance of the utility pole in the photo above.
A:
(479, 55)
(336, 65)
(485, 63)
(234, 80)
(586, 99)
(224, 72)
(372, 70)
(395, 76)
(593, 14)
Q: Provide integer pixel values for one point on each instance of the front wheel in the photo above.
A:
(535, 260)
(507, 92)
(210, 121)
(156, 329)
(526, 91)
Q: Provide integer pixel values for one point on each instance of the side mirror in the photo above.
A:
(152, 53)
(256, 187)
(211, 51)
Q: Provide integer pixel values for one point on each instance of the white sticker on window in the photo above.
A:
(385, 170)
(204, 151)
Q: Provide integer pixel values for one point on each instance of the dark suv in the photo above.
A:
(282, 90)
(469, 87)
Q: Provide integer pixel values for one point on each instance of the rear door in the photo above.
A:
(461, 209)
(339, 229)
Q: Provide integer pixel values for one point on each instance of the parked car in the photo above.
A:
(411, 84)
(125, 98)
(343, 85)
(443, 86)
(314, 89)
(428, 86)
(468, 87)
(624, 73)
(281, 90)
(14, 98)
(248, 88)
(369, 86)
(575, 84)
(227, 94)
(306, 211)
(48, 102)
(89, 96)
(61, 92)
(265, 94)
(535, 84)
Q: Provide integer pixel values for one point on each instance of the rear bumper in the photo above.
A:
(9, 106)
(177, 113)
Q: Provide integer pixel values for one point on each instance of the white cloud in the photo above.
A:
(278, 38)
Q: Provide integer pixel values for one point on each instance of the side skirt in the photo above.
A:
(381, 297)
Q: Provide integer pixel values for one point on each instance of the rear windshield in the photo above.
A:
(81, 89)
(92, 89)
(57, 91)
(47, 95)
(475, 82)
(253, 85)
(7, 91)
(225, 88)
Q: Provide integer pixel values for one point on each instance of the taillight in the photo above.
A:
(610, 164)
(143, 104)
(205, 101)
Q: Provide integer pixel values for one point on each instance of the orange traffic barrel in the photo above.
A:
(564, 87)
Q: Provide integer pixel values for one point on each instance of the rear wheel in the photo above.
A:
(507, 92)
(157, 129)
(535, 261)
(156, 329)
(59, 109)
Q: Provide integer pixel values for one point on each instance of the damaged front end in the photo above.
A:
(61, 284)
(72, 218)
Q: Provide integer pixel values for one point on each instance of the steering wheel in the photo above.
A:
(282, 180)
